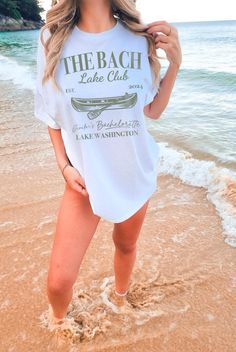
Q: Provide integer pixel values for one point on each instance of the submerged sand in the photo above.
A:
(183, 285)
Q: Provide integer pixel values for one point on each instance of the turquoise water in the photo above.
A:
(201, 113)
(197, 131)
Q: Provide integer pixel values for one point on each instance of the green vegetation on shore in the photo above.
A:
(26, 9)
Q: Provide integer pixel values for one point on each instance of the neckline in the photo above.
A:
(102, 34)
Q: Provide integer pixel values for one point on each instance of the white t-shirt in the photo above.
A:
(106, 81)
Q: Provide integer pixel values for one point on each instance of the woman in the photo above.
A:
(102, 63)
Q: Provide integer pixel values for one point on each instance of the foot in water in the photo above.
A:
(64, 329)
(117, 302)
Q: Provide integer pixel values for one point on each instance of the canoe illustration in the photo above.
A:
(95, 106)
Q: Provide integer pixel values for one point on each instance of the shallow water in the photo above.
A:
(196, 132)
(182, 293)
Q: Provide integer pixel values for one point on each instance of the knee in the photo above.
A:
(126, 248)
(59, 285)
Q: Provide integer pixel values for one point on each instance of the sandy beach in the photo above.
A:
(183, 285)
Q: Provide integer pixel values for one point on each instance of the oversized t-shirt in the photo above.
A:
(106, 80)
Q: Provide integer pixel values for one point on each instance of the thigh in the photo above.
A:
(126, 233)
(75, 227)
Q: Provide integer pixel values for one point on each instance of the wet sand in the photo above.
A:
(183, 285)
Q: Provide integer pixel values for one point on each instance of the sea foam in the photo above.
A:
(20, 75)
(220, 183)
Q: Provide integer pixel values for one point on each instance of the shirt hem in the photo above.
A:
(126, 217)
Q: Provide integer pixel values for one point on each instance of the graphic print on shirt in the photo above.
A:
(96, 106)
(100, 68)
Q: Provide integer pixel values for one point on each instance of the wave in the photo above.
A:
(12, 45)
(220, 183)
(220, 77)
(20, 75)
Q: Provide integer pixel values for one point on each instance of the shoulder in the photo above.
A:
(134, 38)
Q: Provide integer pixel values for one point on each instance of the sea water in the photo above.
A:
(197, 130)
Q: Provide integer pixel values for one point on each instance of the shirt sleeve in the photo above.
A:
(151, 89)
(41, 108)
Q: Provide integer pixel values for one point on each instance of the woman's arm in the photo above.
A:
(169, 42)
(159, 103)
(58, 146)
(71, 175)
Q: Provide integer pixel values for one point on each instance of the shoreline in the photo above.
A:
(184, 279)
(218, 183)
(183, 284)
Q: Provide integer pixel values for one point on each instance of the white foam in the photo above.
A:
(5, 304)
(210, 316)
(180, 164)
(47, 220)
(206, 174)
(20, 75)
(6, 224)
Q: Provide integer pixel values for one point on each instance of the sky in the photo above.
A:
(181, 10)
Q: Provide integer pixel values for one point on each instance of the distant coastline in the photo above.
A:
(12, 24)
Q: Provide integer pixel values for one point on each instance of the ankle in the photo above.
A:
(56, 319)
(121, 294)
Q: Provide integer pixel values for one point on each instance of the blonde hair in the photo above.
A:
(63, 16)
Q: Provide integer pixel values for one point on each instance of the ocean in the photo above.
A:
(197, 131)
(183, 287)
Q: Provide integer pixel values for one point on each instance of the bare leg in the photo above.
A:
(125, 235)
(76, 225)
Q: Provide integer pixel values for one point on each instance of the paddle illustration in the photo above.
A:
(95, 106)
(95, 113)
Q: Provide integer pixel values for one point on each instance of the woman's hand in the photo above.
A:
(75, 180)
(169, 41)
